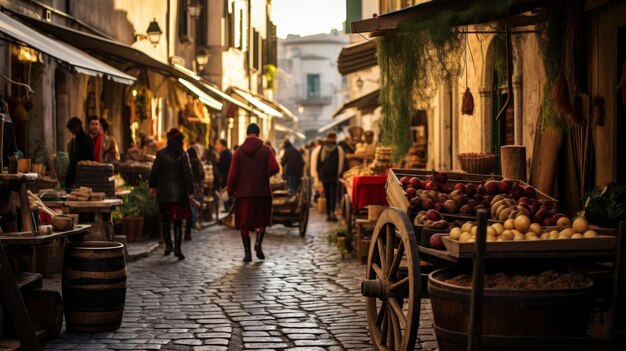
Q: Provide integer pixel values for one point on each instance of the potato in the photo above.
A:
(471, 240)
(519, 237)
(580, 225)
(568, 232)
(563, 223)
(455, 233)
(576, 236)
(509, 224)
(498, 227)
(553, 234)
(535, 228)
(474, 231)
(561, 236)
(467, 226)
(544, 236)
(491, 238)
(491, 231)
(522, 223)
(464, 237)
(507, 235)
(590, 234)
(531, 236)
(516, 232)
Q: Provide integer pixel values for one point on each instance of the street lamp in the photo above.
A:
(202, 57)
(153, 33)
(194, 7)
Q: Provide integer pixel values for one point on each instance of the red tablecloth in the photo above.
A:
(368, 190)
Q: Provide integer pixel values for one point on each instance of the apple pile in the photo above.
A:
(467, 198)
(431, 219)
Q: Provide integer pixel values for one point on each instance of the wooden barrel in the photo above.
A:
(94, 286)
(528, 315)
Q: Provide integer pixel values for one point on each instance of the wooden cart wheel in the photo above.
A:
(392, 283)
(347, 212)
(305, 199)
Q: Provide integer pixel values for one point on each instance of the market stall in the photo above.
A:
(552, 268)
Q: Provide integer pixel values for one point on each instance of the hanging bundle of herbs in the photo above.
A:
(416, 60)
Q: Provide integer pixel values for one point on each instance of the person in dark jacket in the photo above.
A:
(172, 179)
(249, 181)
(223, 165)
(326, 168)
(80, 148)
(197, 172)
(293, 166)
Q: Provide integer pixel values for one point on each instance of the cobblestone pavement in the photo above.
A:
(304, 296)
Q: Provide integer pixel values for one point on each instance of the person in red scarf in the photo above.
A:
(104, 146)
(249, 181)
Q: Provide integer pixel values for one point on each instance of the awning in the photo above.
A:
(256, 102)
(82, 62)
(356, 57)
(285, 111)
(390, 22)
(365, 103)
(123, 53)
(202, 96)
(282, 128)
(346, 116)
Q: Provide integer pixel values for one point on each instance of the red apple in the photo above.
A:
(436, 242)
(439, 177)
(404, 181)
(470, 189)
(480, 189)
(523, 199)
(530, 191)
(427, 203)
(444, 188)
(415, 182)
(491, 187)
(433, 215)
(460, 187)
(411, 193)
(438, 206)
(549, 222)
(416, 203)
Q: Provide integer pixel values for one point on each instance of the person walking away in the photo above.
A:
(171, 178)
(326, 165)
(249, 181)
(110, 152)
(293, 166)
(223, 165)
(80, 148)
(197, 173)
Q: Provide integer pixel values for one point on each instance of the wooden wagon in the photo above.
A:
(396, 280)
(291, 210)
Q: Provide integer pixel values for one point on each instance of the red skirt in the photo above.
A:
(253, 212)
(175, 211)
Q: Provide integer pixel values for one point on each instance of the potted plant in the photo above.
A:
(137, 205)
(341, 237)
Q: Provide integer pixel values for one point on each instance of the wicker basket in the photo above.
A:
(477, 163)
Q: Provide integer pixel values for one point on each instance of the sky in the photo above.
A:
(308, 17)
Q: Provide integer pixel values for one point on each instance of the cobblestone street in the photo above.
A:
(304, 296)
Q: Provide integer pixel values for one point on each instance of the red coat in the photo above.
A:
(249, 180)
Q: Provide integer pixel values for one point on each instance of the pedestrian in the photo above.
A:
(223, 165)
(197, 173)
(293, 166)
(269, 143)
(80, 148)
(171, 178)
(249, 181)
(326, 166)
(110, 150)
(102, 144)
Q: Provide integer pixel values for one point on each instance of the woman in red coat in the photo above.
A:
(249, 181)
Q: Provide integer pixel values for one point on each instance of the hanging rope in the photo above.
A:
(467, 105)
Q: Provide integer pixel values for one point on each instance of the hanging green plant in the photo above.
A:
(415, 61)
(270, 76)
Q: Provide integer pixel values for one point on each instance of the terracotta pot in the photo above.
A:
(132, 227)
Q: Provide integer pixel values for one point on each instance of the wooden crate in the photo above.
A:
(396, 196)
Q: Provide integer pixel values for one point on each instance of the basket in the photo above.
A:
(477, 163)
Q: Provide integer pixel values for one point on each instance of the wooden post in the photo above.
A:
(513, 162)
(478, 277)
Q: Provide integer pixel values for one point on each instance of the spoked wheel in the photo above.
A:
(392, 283)
(347, 212)
(305, 199)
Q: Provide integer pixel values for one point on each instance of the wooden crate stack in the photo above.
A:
(97, 176)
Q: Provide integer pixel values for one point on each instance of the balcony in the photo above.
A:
(321, 95)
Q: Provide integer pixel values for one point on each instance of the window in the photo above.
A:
(238, 17)
(184, 23)
(312, 85)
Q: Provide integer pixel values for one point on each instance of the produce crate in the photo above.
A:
(477, 163)
(396, 196)
(97, 176)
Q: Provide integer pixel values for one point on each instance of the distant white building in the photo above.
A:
(308, 80)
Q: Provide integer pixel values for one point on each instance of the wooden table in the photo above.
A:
(11, 288)
(95, 213)
(16, 183)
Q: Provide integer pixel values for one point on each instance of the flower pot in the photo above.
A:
(132, 227)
